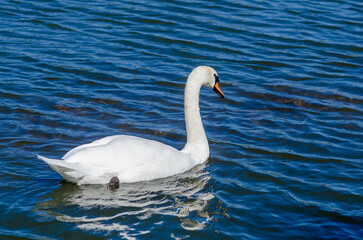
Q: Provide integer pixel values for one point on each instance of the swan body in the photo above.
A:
(134, 159)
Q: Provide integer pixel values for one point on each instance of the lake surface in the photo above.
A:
(286, 143)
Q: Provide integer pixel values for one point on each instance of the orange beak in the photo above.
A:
(218, 90)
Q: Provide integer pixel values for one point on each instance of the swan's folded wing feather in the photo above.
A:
(99, 142)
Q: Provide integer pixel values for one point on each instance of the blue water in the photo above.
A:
(286, 143)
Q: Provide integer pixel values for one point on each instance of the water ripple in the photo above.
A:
(286, 142)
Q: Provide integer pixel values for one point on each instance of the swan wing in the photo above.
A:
(99, 142)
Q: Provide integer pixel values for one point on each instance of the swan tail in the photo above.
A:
(78, 173)
(71, 172)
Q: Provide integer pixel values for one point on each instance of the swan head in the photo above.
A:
(207, 77)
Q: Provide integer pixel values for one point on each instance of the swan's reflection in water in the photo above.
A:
(181, 200)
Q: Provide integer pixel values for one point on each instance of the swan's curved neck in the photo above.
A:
(197, 143)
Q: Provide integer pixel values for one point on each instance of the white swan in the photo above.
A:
(134, 159)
